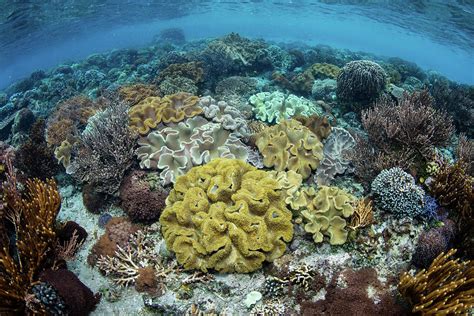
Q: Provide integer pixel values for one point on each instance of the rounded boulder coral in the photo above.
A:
(395, 192)
(360, 81)
(227, 216)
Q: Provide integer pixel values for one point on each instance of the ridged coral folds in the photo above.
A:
(227, 216)
(327, 214)
(173, 108)
(290, 146)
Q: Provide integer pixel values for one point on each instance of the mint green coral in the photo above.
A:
(227, 216)
(327, 212)
(276, 106)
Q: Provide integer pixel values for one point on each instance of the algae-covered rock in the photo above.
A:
(327, 213)
(227, 216)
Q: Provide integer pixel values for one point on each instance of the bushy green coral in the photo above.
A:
(276, 106)
(227, 216)
(327, 213)
(290, 146)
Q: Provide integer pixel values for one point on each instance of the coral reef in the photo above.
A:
(395, 192)
(192, 70)
(433, 242)
(174, 150)
(151, 111)
(135, 93)
(228, 116)
(34, 157)
(104, 151)
(69, 119)
(291, 183)
(277, 106)
(139, 200)
(227, 216)
(360, 81)
(290, 146)
(337, 148)
(33, 237)
(319, 125)
(445, 288)
(327, 212)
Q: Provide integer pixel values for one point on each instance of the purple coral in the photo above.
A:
(432, 242)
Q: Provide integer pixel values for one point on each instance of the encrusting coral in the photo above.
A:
(445, 288)
(152, 111)
(227, 216)
(290, 146)
(175, 149)
(135, 93)
(326, 214)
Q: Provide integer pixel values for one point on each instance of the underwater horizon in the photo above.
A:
(237, 157)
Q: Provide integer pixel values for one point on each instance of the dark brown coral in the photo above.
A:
(403, 134)
(192, 70)
(135, 93)
(319, 125)
(34, 157)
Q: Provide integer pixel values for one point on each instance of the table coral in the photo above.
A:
(290, 146)
(174, 108)
(227, 216)
(176, 149)
(327, 213)
(276, 106)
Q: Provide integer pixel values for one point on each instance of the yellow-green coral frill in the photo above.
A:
(227, 216)
(327, 213)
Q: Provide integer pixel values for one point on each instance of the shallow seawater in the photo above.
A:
(237, 158)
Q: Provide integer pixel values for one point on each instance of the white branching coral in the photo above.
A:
(125, 266)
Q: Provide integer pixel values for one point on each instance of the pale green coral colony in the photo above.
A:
(276, 106)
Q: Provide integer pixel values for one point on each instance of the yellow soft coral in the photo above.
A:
(174, 108)
(327, 213)
(227, 216)
(290, 146)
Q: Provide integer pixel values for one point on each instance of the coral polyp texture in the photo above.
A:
(445, 288)
(290, 146)
(277, 106)
(360, 81)
(150, 112)
(174, 150)
(226, 216)
(135, 93)
(395, 192)
(327, 214)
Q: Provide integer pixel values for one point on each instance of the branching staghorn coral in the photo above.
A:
(446, 288)
(125, 265)
(32, 216)
(105, 149)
